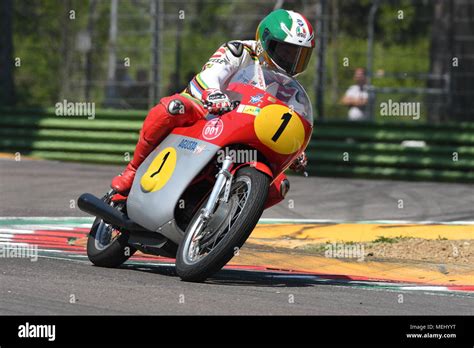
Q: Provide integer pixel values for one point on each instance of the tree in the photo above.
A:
(7, 90)
(452, 44)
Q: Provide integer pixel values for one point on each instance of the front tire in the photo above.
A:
(229, 231)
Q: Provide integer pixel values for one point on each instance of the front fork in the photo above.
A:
(224, 181)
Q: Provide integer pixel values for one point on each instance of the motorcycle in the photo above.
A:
(198, 196)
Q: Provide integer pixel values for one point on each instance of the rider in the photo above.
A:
(284, 41)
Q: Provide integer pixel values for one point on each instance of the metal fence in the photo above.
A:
(129, 53)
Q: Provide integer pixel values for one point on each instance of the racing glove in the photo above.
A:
(300, 163)
(215, 101)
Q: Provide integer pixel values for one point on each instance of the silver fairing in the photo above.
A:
(155, 210)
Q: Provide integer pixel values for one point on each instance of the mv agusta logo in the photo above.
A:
(213, 129)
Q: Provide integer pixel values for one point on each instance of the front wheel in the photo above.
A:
(208, 245)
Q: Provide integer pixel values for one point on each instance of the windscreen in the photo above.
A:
(279, 85)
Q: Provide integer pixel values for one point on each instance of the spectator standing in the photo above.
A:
(356, 97)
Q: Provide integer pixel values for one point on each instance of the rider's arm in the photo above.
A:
(222, 64)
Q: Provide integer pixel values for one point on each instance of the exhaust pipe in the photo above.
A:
(92, 205)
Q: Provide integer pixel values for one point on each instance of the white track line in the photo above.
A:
(15, 231)
(86, 220)
(47, 218)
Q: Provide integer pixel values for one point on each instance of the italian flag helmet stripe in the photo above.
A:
(301, 31)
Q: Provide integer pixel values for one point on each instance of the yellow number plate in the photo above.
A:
(159, 171)
(279, 128)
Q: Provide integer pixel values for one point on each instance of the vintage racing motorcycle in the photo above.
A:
(193, 198)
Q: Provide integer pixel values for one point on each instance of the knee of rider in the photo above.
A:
(175, 105)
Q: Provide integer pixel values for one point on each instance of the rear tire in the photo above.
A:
(110, 255)
(234, 238)
(114, 255)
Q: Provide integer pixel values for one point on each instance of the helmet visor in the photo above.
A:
(290, 57)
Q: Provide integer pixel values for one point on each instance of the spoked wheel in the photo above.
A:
(107, 246)
(208, 245)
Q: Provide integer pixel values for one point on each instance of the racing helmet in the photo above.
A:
(285, 40)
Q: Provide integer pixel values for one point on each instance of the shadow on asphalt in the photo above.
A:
(232, 277)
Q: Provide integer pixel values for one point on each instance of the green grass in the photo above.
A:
(382, 239)
(315, 248)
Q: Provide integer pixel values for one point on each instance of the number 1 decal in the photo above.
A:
(162, 163)
(286, 118)
(280, 129)
(160, 170)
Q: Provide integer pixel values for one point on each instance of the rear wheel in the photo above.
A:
(208, 245)
(106, 246)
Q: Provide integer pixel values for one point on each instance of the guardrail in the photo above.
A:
(407, 151)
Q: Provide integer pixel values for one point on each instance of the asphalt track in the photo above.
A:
(47, 188)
